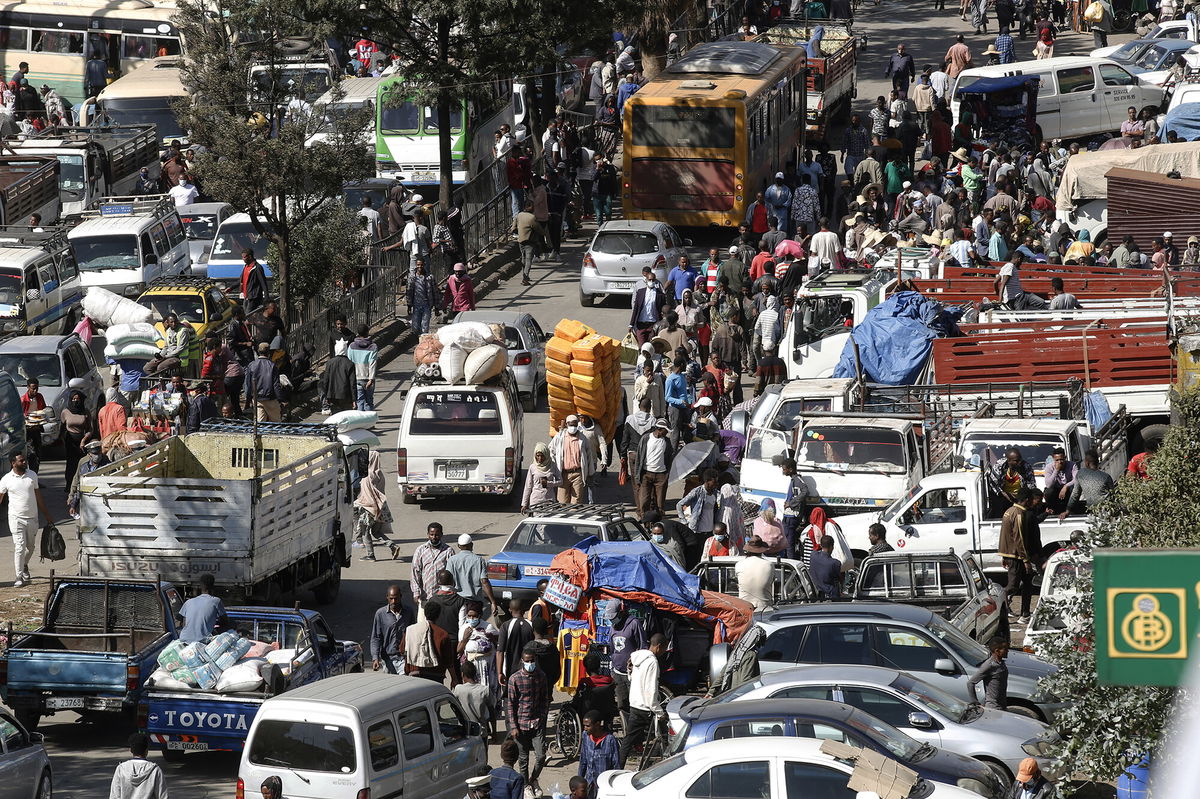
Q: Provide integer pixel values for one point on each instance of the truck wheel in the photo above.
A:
(45, 786)
(1150, 433)
(28, 717)
(326, 593)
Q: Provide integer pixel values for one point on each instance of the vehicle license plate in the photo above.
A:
(187, 746)
(64, 702)
(456, 471)
(622, 286)
(536, 571)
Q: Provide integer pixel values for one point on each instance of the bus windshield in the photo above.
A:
(139, 111)
(308, 82)
(70, 173)
(106, 252)
(683, 126)
(234, 238)
(432, 123)
(852, 449)
(404, 118)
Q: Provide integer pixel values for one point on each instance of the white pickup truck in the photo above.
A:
(949, 510)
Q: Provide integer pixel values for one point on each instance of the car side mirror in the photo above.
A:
(920, 720)
(687, 242)
(944, 666)
(474, 729)
(36, 738)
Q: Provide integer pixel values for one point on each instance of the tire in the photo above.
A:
(1152, 433)
(327, 592)
(568, 732)
(28, 718)
(407, 498)
(1026, 710)
(529, 403)
(45, 786)
(586, 300)
(999, 769)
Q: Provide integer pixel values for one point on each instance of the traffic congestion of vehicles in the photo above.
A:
(753, 452)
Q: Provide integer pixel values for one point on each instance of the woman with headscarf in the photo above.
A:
(543, 478)
(1080, 248)
(820, 525)
(272, 788)
(768, 528)
(77, 431)
(477, 644)
(608, 126)
(373, 519)
(766, 327)
(649, 383)
(732, 517)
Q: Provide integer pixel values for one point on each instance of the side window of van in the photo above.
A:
(148, 253)
(67, 268)
(1113, 75)
(1076, 79)
(174, 230)
(161, 246)
(416, 731)
(451, 723)
(33, 286)
(381, 738)
(48, 275)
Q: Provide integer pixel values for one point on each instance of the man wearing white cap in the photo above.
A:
(1170, 249)
(779, 200)
(573, 455)
(470, 573)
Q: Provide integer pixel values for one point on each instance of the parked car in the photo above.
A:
(837, 721)
(1152, 59)
(753, 768)
(1047, 619)
(526, 344)
(792, 583)
(999, 739)
(550, 528)
(903, 637)
(54, 361)
(200, 224)
(25, 771)
(614, 260)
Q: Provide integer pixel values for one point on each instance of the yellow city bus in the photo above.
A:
(710, 131)
(57, 39)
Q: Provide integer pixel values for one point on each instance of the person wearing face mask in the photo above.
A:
(628, 635)
(651, 465)
(543, 478)
(648, 304)
(1030, 784)
(572, 453)
(643, 693)
(699, 510)
(477, 645)
(718, 544)
(671, 546)
(527, 704)
(94, 458)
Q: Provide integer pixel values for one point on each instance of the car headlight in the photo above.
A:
(1043, 745)
(974, 786)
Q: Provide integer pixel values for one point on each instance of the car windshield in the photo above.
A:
(23, 366)
(550, 538)
(107, 252)
(1127, 51)
(10, 289)
(140, 111)
(237, 237)
(899, 744)
(625, 243)
(933, 698)
(1151, 58)
(862, 449)
(988, 448)
(70, 173)
(456, 413)
(199, 227)
(656, 772)
(968, 650)
(303, 746)
(188, 307)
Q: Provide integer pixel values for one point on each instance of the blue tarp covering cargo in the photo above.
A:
(1184, 119)
(895, 338)
(641, 566)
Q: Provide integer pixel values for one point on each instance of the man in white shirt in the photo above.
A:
(961, 251)
(20, 488)
(939, 79)
(372, 217)
(755, 574)
(185, 193)
(643, 693)
(825, 244)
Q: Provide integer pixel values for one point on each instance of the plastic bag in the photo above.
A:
(53, 545)
(1094, 12)
(467, 335)
(242, 677)
(629, 349)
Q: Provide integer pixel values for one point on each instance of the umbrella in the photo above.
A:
(892, 144)
(690, 458)
(788, 247)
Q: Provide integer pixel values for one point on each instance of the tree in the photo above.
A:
(1108, 728)
(256, 131)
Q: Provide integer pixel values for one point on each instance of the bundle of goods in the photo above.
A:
(470, 353)
(107, 309)
(428, 350)
(583, 375)
(226, 663)
(136, 341)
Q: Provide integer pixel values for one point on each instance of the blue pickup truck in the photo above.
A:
(202, 721)
(98, 643)
(550, 528)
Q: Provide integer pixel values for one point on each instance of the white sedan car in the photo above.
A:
(752, 768)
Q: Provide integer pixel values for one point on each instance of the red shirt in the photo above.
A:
(1137, 466)
(37, 400)
(758, 220)
(758, 267)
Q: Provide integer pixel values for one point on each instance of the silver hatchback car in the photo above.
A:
(526, 345)
(24, 766)
(614, 260)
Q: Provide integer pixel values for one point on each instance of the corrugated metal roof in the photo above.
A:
(1147, 204)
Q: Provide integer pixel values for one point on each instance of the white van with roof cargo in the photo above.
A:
(373, 735)
(460, 439)
(127, 243)
(39, 281)
(1077, 97)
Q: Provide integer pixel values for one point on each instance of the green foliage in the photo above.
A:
(259, 155)
(325, 252)
(1108, 728)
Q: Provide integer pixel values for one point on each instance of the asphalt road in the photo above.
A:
(84, 755)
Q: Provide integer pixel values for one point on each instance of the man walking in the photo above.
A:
(1018, 552)
(387, 633)
(527, 706)
(993, 673)
(643, 693)
(263, 388)
(648, 304)
(254, 281)
(20, 487)
(901, 70)
(364, 354)
(469, 571)
(572, 453)
(423, 296)
(526, 226)
(138, 777)
(653, 462)
(428, 559)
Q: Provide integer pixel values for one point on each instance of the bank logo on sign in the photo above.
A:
(1147, 623)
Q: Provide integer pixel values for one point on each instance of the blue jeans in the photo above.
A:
(791, 525)
(366, 396)
(603, 205)
(517, 196)
(421, 316)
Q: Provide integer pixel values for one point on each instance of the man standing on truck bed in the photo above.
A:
(202, 613)
(387, 632)
(429, 558)
(20, 488)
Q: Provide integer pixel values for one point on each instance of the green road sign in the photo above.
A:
(1147, 605)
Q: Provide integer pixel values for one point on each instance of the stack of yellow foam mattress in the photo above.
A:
(583, 375)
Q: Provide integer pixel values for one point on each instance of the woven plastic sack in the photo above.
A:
(143, 332)
(453, 362)
(484, 363)
(467, 335)
(345, 421)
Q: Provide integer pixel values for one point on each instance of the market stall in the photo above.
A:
(1003, 109)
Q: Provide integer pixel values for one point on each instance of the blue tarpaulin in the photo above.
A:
(991, 85)
(1096, 408)
(641, 566)
(1184, 119)
(896, 337)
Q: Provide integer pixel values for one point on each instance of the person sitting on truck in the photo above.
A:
(877, 535)
(1059, 477)
(1139, 463)
(1008, 477)
(203, 613)
(177, 343)
(1090, 486)
(138, 777)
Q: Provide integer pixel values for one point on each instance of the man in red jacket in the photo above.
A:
(460, 291)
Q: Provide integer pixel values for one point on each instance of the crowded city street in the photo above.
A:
(601, 439)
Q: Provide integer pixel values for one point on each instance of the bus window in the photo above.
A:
(402, 118)
(14, 39)
(57, 42)
(148, 46)
(683, 126)
(431, 119)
